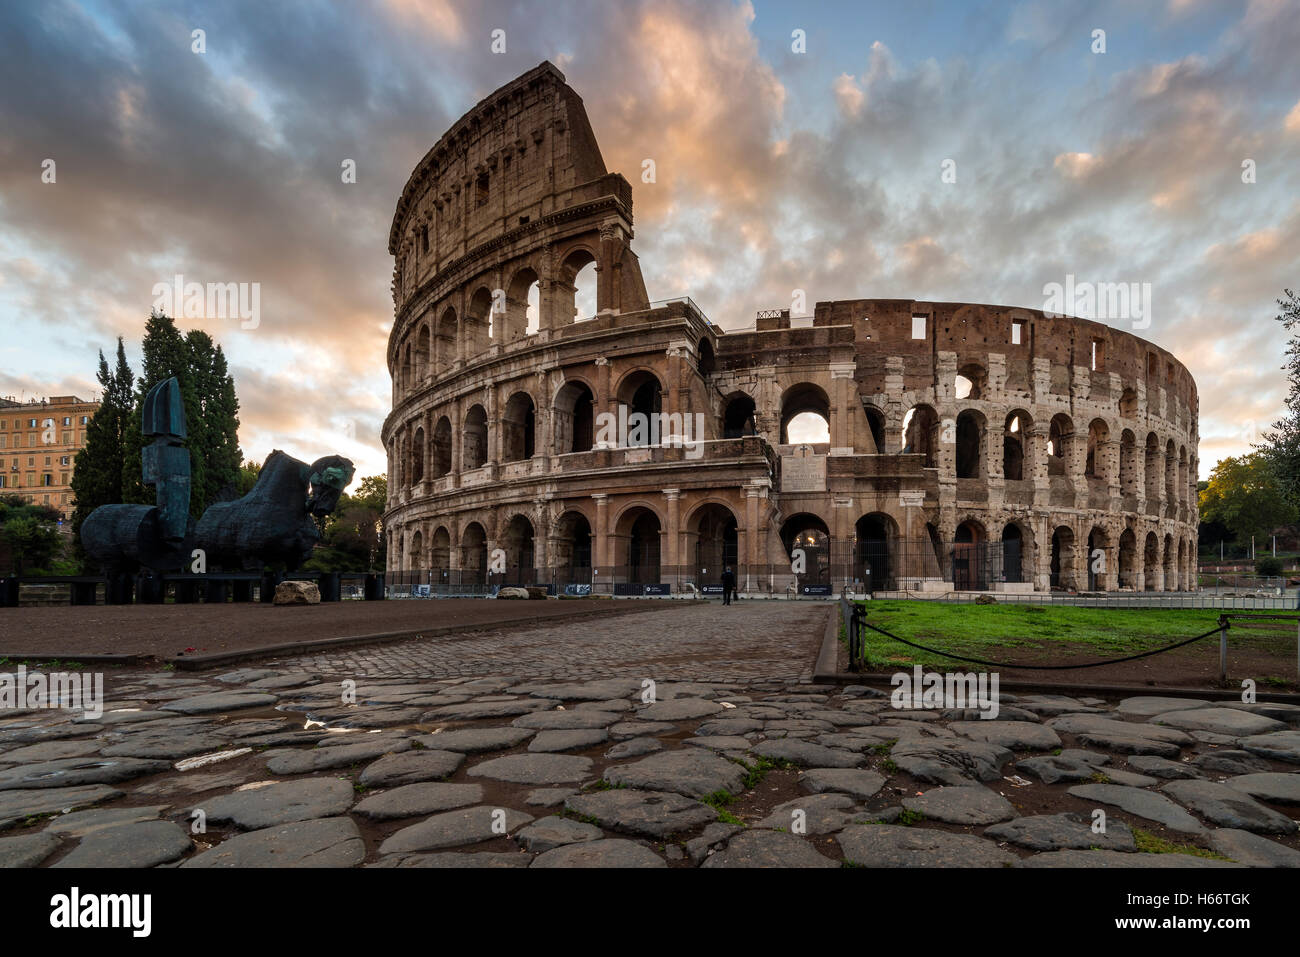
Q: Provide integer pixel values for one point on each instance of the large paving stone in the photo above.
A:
(963, 804)
(1163, 768)
(457, 859)
(1251, 849)
(50, 751)
(412, 800)
(1073, 859)
(280, 803)
(954, 762)
(221, 701)
(470, 825)
(1144, 706)
(817, 814)
(575, 740)
(567, 720)
(807, 754)
(1230, 761)
(27, 850)
(692, 772)
(1280, 746)
(657, 814)
(323, 758)
(1271, 786)
(81, 823)
(729, 726)
(1051, 768)
(1147, 804)
(1229, 721)
(610, 852)
(679, 709)
(411, 767)
(17, 806)
(889, 845)
(1057, 832)
(716, 742)
(70, 772)
(534, 768)
(1101, 724)
(323, 842)
(1012, 735)
(473, 710)
(763, 848)
(1228, 807)
(633, 748)
(599, 690)
(549, 833)
(144, 844)
(476, 740)
(859, 784)
(164, 745)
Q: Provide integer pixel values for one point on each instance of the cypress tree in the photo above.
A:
(97, 469)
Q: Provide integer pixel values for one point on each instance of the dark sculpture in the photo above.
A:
(272, 525)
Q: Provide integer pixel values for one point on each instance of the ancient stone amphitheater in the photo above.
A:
(965, 447)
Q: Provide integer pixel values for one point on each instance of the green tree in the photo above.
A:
(1244, 494)
(352, 536)
(211, 412)
(1281, 447)
(29, 535)
(97, 469)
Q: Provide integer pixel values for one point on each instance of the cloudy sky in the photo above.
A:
(777, 169)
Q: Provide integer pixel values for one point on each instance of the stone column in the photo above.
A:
(600, 557)
(841, 398)
(670, 556)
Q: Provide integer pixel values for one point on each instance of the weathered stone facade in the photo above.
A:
(970, 446)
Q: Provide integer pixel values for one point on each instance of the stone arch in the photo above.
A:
(1171, 564)
(970, 571)
(1128, 559)
(1171, 479)
(417, 457)
(477, 327)
(1182, 565)
(877, 561)
(921, 434)
(1128, 404)
(474, 444)
(712, 541)
(520, 546)
(804, 398)
(1018, 551)
(568, 295)
(809, 532)
(971, 382)
(706, 361)
(638, 533)
(642, 392)
(1099, 559)
(875, 429)
(1182, 476)
(440, 550)
(1015, 439)
(1128, 464)
(1059, 433)
(739, 416)
(415, 553)
(1098, 435)
(423, 342)
(972, 435)
(574, 412)
(571, 548)
(442, 447)
(473, 554)
(445, 335)
(1152, 469)
(519, 428)
(1063, 562)
(1151, 562)
(523, 296)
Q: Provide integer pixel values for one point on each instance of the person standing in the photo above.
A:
(728, 585)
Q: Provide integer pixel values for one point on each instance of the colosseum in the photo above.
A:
(955, 447)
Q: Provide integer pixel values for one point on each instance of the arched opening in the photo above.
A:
(641, 530)
(1150, 562)
(473, 554)
(1098, 435)
(1128, 559)
(805, 415)
(422, 367)
(415, 557)
(1061, 569)
(921, 434)
(716, 542)
(575, 289)
(478, 323)
(417, 458)
(1128, 464)
(810, 535)
(970, 558)
(475, 440)
(440, 553)
(970, 444)
(575, 418)
(1013, 547)
(519, 428)
(1152, 468)
(1015, 433)
(520, 552)
(571, 549)
(1128, 404)
(876, 426)
(1171, 478)
(1182, 578)
(445, 341)
(738, 417)
(877, 536)
(442, 447)
(1098, 559)
(971, 382)
(1058, 434)
(642, 393)
(707, 361)
(1182, 475)
(1171, 564)
(522, 301)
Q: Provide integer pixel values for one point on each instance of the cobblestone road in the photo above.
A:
(705, 642)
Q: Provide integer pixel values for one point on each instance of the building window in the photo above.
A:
(424, 239)
(47, 480)
(31, 423)
(65, 460)
(1098, 355)
(85, 420)
(481, 190)
(1016, 327)
(918, 327)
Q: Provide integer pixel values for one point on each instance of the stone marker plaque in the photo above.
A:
(803, 472)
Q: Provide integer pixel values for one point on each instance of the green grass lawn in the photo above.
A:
(1050, 634)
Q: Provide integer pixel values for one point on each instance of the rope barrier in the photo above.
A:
(1003, 664)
